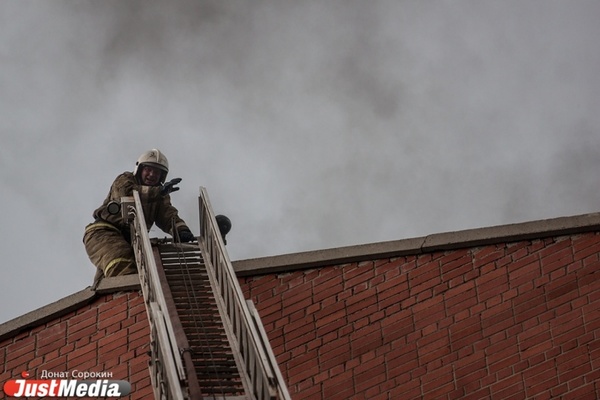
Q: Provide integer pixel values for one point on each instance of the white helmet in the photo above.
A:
(153, 158)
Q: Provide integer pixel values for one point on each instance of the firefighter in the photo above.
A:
(108, 239)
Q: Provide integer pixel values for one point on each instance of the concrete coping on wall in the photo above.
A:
(426, 244)
(335, 256)
(68, 304)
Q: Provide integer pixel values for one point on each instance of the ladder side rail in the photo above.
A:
(170, 366)
(156, 366)
(218, 289)
(283, 391)
(260, 381)
(154, 280)
(156, 370)
(162, 373)
(162, 339)
(263, 376)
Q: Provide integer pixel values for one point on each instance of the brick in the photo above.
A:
(487, 256)
(15, 350)
(528, 263)
(109, 320)
(20, 357)
(511, 386)
(460, 289)
(426, 287)
(522, 276)
(308, 328)
(365, 316)
(89, 351)
(138, 330)
(365, 343)
(116, 306)
(82, 320)
(470, 364)
(585, 243)
(529, 299)
(393, 318)
(298, 293)
(407, 391)
(323, 295)
(358, 276)
(84, 333)
(588, 391)
(497, 310)
(136, 310)
(557, 259)
(541, 386)
(331, 313)
(576, 372)
(308, 358)
(341, 388)
(465, 327)
(309, 393)
(370, 367)
(365, 297)
(517, 250)
(435, 313)
(303, 373)
(398, 329)
(300, 305)
(328, 277)
(456, 267)
(589, 268)
(534, 331)
(493, 275)
(294, 280)
(262, 284)
(569, 359)
(425, 273)
(561, 285)
(554, 244)
(505, 359)
(389, 267)
(332, 327)
(56, 364)
(544, 338)
(50, 343)
(437, 391)
(392, 287)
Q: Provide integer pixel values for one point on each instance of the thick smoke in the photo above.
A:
(312, 124)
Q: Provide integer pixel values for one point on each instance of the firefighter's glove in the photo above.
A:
(170, 187)
(186, 236)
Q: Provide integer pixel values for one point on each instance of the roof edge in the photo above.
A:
(67, 304)
(334, 256)
(426, 244)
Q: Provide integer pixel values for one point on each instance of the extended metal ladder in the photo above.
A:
(207, 342)
(208, 347)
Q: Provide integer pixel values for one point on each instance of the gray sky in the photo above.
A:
(313, 124)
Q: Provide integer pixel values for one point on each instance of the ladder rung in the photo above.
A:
(210, 350)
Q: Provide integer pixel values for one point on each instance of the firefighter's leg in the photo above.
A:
(97, 278)
(109, 252)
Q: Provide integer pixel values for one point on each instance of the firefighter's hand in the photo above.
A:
(186, 236)
(170, 187)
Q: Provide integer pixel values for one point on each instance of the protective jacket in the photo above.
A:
(157, 208)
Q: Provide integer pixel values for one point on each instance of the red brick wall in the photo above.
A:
(507, 321)
(109, 335)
